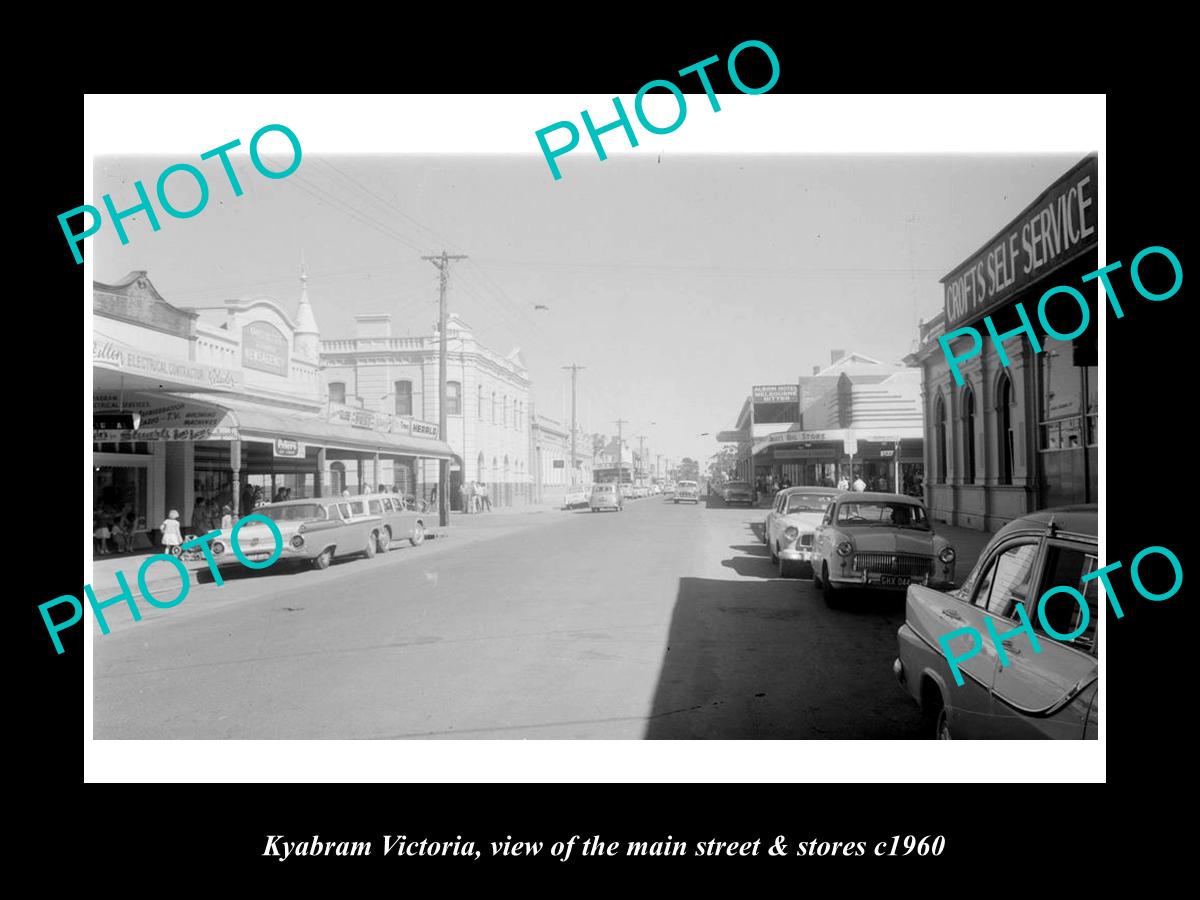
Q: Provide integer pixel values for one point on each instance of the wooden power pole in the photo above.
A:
(443, 266)
(574, 371)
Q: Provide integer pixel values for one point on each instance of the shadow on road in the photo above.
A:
(759, 659)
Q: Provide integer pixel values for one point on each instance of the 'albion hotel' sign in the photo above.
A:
(1054, 229)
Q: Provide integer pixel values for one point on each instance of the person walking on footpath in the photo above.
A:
(485, 497)
(226, 517)
(464, 496)
(171, 538)
(859, 484)
(843, 483)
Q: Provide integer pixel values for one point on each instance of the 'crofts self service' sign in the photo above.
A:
(185, 172)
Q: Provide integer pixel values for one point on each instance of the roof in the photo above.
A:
(1081, 518)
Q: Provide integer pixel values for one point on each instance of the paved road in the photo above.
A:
(662, 621)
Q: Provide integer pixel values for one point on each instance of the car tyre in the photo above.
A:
(942, 728)
(418, 535)
(831, 594)
(372, 544)
(385, 540)
(324, 558)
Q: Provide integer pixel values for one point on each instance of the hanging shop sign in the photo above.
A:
(289, 449)
(264, 348)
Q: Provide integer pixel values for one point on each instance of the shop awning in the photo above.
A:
(188, 417)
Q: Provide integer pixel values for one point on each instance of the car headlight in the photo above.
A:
(947, 555)
(845, 548)
(791, 532)
(297, 540)
(217, 548)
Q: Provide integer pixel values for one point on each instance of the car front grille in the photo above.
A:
(893, 564)
(806, 539)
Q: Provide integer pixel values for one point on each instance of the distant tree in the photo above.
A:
(722, 466)
(689, 469)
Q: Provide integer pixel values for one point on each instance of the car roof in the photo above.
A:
(1081, 518)
(879, 497)
(810, 489)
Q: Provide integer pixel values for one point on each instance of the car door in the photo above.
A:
(821, 537)
(772, 517)
(1045, 694)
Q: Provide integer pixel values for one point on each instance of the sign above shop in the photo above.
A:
(265, 348)
(1053, 230)
(158, 418)
(111, 355)
(289, 449)
(355, 417)
(776, 393)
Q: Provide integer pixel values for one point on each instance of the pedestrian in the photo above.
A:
(171, 538)
(200, 516)
(843, 483)
(226, 517)
(859, 484)
(101, 532)
(485, 497)
(433, 495)
(463, 496)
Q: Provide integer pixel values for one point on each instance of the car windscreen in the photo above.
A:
(816, 503)
(738, 486)
(687, 484)
(893, 513)
(293, 513)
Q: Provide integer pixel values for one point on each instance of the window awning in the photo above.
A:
(190, 417)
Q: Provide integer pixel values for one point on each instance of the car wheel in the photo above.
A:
(942, 729)
(418, 535)
(832, 600)
(385, 540)
(323, 559)
(372, 543)
(774, 557)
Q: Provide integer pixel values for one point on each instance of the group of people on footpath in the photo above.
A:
(112, 529)
(475, 497)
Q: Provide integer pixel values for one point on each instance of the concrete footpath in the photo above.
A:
(164, 575)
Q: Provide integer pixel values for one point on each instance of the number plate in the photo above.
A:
(257, 557)
(894, 580)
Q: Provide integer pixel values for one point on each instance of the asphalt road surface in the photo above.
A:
(661, 621)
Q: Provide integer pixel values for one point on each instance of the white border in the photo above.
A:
(767, 123)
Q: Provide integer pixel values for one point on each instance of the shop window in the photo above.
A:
(337, 392)
(403, 392)
(453, 398)
(1004, 428)
(968, 426)
(1061, 388)
(939, 418)
(1093, 404)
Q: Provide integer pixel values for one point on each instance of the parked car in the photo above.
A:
(1048, 694)
(790, 525)
(687, 491)
(878, 541)
(606, 496)
(314, 530)
(400, 521)
(738, 492)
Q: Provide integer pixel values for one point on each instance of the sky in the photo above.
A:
(678, 282)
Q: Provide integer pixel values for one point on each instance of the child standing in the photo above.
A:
(171, 537)
(101, 533)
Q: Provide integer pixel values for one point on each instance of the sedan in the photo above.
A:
(738, 492)
(878, 541)
(790, 525)
(1013, 690)
(313, 531)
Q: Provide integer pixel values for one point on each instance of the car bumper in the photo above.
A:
(876, 582)
(797, 554)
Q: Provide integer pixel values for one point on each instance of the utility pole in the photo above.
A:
(443, 266)
(641, 454)
(619, 423)
(574, 371)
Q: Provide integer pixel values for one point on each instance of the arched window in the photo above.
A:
(1004, 428)
(939, 418)
(337, 392)
(403, 392)
(480, 410)
(504, 421)
(453, 398)
(968, 424)
(493, 407)
(337, 478)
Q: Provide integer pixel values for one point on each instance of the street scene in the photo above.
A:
(683, 448)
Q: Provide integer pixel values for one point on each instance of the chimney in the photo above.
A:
(835, 355)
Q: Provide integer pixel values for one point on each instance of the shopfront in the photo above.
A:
(1021, 437)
